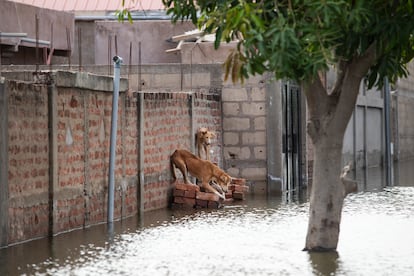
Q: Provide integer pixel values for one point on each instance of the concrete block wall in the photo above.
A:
(153, 35)
(403, 114)
(244, 131)
(405, 150)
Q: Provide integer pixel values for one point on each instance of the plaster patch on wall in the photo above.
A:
(69, 137)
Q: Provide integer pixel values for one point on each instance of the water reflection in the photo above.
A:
(259, 236)
(324, 263)
(404, 173)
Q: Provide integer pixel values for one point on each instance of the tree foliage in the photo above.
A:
(123, 13)
(298, 39)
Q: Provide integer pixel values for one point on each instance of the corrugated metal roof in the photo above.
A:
(94, 5)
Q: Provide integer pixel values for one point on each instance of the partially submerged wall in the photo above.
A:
(364, 136)
(58, 179)
(403, 114)
(28, 158)
(244, 131)
(169, 120)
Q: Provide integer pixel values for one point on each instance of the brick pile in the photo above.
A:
(238, 189)
(185, 195)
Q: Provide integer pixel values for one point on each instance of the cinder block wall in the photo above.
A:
(244, 131)
(403, 114)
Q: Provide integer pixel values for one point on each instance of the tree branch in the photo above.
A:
(340, 75)
(354, 67)
(354, 72)
(315, 94)
(360, 65)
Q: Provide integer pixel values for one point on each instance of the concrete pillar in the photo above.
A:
(141, 178)
(4, 161)
(274, 137)
(53, 156)
(86, 185)
(123, 183)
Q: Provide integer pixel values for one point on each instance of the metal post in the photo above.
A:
(299, 139)
(114, 121)
(388, 164)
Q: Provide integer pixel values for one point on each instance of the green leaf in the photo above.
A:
(298, 38)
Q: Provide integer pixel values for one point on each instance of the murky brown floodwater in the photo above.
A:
(258, 236)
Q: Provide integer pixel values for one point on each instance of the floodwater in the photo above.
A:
(258, 236)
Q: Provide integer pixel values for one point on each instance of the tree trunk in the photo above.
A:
(329, 114)
(327, 195)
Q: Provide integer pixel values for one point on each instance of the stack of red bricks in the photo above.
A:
(238, 189)
(185, 195)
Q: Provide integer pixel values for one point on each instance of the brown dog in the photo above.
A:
(203, 141)
(203, 170)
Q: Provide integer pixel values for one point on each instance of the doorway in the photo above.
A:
(291, 138)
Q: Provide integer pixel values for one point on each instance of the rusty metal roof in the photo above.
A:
(94, 5)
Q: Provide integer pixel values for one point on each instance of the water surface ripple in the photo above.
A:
(377, 238)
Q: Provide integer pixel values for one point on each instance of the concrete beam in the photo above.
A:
(89, 81)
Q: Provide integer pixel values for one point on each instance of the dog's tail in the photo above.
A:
(172, 166)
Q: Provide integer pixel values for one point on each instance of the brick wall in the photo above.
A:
(166, 127)
(207, 113)
(28, 158)
(58, 181)
(84, 125)
(168, 120)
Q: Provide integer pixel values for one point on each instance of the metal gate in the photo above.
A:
(291, 140)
